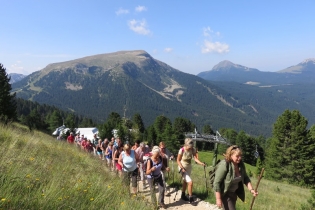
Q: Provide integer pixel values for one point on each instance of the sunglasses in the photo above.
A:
(233, 148)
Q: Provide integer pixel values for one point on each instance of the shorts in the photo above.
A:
(186, 174)
(100, 153)
(109, 161)
(118, 167)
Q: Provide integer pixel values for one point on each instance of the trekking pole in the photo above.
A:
(169, 189)
(259, 178)
(204, 168)
(173, 171)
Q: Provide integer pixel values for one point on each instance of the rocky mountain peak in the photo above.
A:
(308, 61)
(223, 64)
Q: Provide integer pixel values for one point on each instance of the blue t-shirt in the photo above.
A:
(129, 162)
(110, 155)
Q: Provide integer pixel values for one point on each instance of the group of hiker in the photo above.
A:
(151, 165)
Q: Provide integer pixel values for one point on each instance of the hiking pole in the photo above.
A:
(204, 168)
(169, 189)
(259, 178)
(173, 170)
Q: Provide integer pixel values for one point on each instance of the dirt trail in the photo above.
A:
(177, 203)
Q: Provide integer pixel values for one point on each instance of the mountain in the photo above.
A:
(307, 65)
(16, 77)
(95, 86)
(228, 71)
(273, 92)
(304, 72)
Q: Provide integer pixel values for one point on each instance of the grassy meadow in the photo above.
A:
(39, 172)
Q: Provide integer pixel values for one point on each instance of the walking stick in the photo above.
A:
(204, 168)
(173, 172)
(169, 193)
(259, 178)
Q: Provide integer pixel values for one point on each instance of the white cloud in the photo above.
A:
(122, 11)
(217, 47)
(16, 68)
(139, 26)
(207, 31)
(140, 8)
(168, 49)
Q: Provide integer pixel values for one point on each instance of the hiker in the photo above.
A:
(95, 142)
(137, 143)
(79, 140)
(116, 158)
(140, 152)
(104, 146)
(98, 149)
(83, 143)
(230, 176)
(70, 138)
(116, 142)
(109, 156)
(128, 160)
(166, 155)
(154, 175)
(89, 147)
(185, 155)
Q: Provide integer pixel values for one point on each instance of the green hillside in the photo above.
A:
(270, 101)
(97, 85)
(38, 172)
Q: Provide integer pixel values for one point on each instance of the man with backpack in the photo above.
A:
(185, 155)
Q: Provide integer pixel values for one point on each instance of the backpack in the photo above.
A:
(152, 164)
(212, 171)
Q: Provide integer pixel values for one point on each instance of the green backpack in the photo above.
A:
(212, 172)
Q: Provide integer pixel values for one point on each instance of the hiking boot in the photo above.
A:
(162, 205)
(191, 199)
(184, 197)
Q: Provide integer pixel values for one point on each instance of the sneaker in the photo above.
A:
(184, 197)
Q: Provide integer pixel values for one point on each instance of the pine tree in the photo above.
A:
(54, 120)
(286, 153)
(160, 125)
(137, 120)
(170, 140)
(309, 163)
(152, 136)
(7, 100)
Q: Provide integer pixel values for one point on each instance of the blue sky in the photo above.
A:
(191, 36)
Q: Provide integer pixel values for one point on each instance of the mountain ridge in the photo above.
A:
(140, 83)
(228, 71)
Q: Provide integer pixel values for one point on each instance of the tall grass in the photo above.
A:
(272, 195)
(39, 172)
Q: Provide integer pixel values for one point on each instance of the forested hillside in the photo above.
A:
(132, 82)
